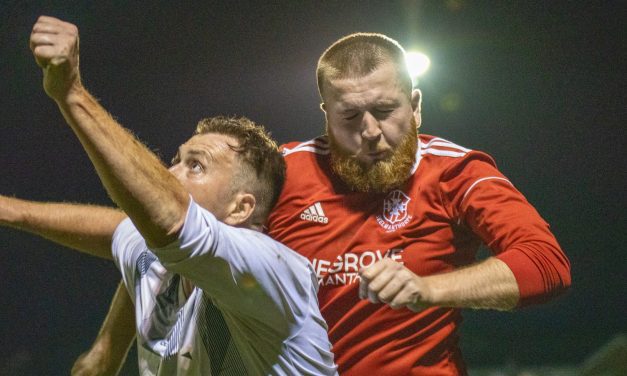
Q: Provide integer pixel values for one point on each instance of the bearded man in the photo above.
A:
(404, 216)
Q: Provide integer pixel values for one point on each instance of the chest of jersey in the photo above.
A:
(342, 231)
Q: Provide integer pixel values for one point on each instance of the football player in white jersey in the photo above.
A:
(212, 294)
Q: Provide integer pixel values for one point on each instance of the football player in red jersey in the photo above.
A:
(405, 217)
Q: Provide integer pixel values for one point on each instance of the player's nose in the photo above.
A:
(371, 128)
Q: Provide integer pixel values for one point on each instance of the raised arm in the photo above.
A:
(86, 228)
(108, 353)
(133, 176)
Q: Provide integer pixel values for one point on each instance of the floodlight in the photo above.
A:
(417, 63)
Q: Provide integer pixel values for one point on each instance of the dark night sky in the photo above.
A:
(536, 84)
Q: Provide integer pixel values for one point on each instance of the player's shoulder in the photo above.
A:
(318, 145)
(440, 147)
(433, 149)
(448, 162)
(265, 245)
(271, 256)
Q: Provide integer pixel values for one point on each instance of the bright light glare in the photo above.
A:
(417, 63)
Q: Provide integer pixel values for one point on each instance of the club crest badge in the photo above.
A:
(395, 213)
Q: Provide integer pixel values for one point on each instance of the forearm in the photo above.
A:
(118, 330)
(488, 284)
(108, 353)
(133, 176)
(86, 228)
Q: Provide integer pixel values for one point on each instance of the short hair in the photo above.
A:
(262, 167)
(359, 54)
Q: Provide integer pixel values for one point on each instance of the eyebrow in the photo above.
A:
(348, 106)
(193, 152)
(349, 110)
(201, 152)
(387, 102)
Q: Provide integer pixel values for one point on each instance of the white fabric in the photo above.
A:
(265, 292)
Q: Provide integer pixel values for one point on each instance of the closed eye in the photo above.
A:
(382, 113)
(351, 117)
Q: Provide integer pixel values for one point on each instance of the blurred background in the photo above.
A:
(539, 85)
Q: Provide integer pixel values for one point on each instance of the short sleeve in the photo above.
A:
(240, 268)
(127, 246)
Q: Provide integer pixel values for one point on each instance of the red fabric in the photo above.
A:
(448, 212)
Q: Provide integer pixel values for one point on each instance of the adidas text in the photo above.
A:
(313, 218)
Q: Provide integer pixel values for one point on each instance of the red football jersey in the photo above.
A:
(455, 199)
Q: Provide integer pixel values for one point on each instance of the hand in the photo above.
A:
(388, 281)
(55, 46)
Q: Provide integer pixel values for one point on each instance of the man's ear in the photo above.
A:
(416, 105)
(416, 100)
(241, 209)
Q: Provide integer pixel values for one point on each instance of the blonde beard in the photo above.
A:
(383, 175)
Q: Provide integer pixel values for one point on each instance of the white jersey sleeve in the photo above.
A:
(127, 246)
(240, 269)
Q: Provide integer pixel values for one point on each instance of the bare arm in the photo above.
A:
(133, 176)
(488, 284)
(108, 353)
(86, 228)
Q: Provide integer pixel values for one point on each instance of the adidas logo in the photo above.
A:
(314, 213)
